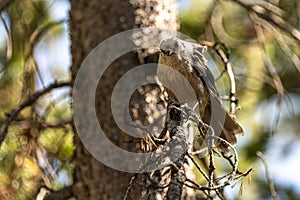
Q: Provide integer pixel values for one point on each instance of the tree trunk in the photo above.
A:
(91, 22)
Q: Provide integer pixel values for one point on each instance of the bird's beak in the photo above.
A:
(168, 52)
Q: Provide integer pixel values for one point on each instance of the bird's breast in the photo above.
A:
(185, 87)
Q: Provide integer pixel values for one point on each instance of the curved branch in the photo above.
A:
(275, 19)
(270, 182)
(268, 63)
(29, 101)
(281, 42)
(37, 35)
(225, 59)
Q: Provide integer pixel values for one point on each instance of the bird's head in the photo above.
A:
(169, 46)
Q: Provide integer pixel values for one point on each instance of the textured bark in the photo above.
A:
(91, 22)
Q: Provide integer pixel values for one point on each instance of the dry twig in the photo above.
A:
(270, 182)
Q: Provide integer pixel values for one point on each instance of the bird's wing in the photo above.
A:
(201, 69)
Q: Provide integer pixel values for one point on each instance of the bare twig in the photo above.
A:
(42, 157)
(209, 135)
(282, 42)
(236, 158)
(177, 177)
(29, 101)
(30, 62)
(130, 185)
(270, 182)
(198, 167)
(209, 141)
(273, 8)
(37, 35)
(224, 53)
(194, 185)
(244, 174)
(209, 35)
(27, 123)
(217, 187)
(271, 17)
(268, 62)
(225, 59)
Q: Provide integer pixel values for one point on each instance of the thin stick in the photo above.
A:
(225, 59)
(198, 167)
(29, 101)
(270, 182)
(130, 185)
(275, 19)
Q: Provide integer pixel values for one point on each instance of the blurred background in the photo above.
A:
(267, 70)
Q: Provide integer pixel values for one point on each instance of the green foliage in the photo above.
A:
(57, 141)
(36, 144)
(193, 20)
(59, 113)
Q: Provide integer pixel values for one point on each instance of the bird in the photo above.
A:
(184, 73)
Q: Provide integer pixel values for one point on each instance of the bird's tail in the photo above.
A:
(223, 124)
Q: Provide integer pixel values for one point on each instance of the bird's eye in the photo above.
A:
(163, 51)
(170, 52)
